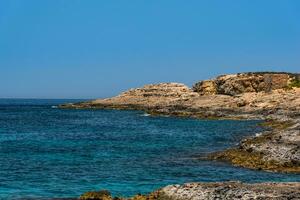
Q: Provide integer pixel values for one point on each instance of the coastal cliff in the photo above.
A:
(272, 97)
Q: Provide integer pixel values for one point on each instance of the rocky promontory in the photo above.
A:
(245, 95)
(271, 97)
(274, 97)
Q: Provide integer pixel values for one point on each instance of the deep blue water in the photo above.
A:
(48, 152)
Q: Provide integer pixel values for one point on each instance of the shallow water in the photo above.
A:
(48, 152)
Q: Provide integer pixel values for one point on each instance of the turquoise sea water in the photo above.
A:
(46, 152)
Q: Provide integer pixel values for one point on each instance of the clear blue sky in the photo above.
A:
(89, 49)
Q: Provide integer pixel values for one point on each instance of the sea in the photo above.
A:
(47, 152)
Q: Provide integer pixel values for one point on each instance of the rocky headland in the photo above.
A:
(272, 97)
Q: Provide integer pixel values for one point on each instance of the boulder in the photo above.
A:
(206, 87)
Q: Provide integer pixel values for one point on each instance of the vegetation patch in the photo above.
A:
(99, 195)
(294, 83)
(279, 125)
(105, 195)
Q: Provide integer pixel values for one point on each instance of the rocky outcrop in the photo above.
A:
(274, 150)
(148, 97)
(277, 149)
(156, 94)
(206, 87)
(96, 195)
(207, 191)
(231, 190)
(245, 82)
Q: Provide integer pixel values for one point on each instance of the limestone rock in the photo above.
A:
(221, 190)
(206, 87)
(231, 191)
(244, 82)
(150, 96)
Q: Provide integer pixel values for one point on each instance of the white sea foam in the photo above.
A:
(258, 134)
(145, 115)
(53, 106)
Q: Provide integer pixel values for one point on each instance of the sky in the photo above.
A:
(98, 48)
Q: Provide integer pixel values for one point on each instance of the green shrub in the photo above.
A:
(294, 83)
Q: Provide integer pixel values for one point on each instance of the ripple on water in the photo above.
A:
(46, 152)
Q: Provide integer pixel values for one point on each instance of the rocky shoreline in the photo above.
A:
(205, 191)
(273, 97)
(274, 150)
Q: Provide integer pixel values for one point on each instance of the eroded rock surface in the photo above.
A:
(232, 190)
(147, 97)
(211, 191)
(245, 82)
(273, 150)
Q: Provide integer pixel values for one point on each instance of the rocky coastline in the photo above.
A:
(210, 191)
(273, 97)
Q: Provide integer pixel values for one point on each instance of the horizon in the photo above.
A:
(38, 98)
(97, 49)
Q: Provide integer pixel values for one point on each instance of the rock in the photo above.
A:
(244, 82)
(96, 195)
(240, 83)
(224, 191)
(231, 191)
(149, 96)
(206, 87)
(274, 150)
(241, 102)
